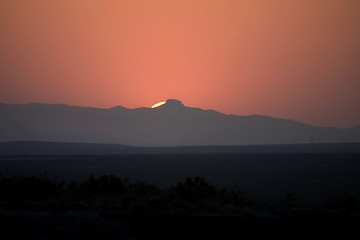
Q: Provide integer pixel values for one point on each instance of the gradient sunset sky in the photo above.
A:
(294, 59)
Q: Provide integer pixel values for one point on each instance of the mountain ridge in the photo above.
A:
(171, 124)
(120, 107)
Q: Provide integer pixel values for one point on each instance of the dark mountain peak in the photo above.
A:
(172, 104)
(119, 107)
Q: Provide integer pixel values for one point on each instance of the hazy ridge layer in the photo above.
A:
(171, 124)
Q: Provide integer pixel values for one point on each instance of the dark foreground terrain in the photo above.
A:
(112, 225)
(112, 208)
(309, 177)
(290, 192)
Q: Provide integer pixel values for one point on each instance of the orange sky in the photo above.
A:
(283, 58)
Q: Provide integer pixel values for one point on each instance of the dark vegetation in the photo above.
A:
(282, 195)
(108, 192)
(108, 207)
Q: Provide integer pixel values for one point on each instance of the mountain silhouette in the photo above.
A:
(171, 124)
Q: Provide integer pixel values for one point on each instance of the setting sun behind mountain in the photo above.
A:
(158, 104)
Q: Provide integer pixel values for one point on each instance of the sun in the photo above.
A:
(158, 104)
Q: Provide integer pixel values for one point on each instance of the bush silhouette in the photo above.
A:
(29, 188)
(104, 185)
(112, 193)
(193, 190)
(343, 202)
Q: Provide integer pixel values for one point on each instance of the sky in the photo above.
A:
(289, 59)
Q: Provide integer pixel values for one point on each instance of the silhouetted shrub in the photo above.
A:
(111, 193)
(193, 190)
(182, 206)
(141, 188)
(104, 185)
(29, 188)
(343, 202)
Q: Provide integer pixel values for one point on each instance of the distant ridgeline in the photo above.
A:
(170, 124)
